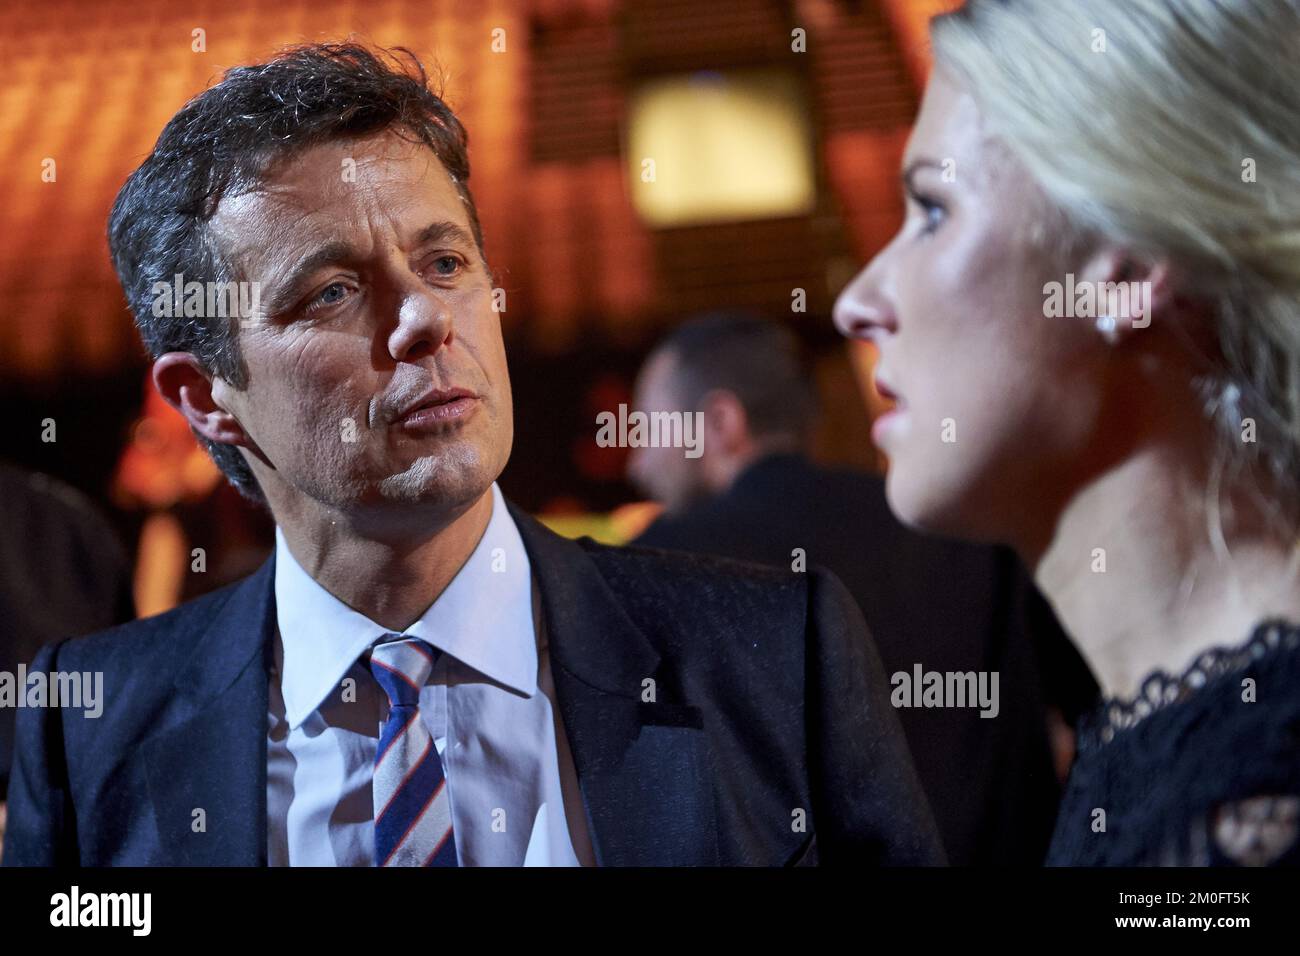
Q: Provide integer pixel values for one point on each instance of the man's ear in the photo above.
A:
(1130, 289)
(725, 420)
(188, 387)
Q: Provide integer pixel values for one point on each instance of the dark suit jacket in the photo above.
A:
(770, 701)
(947, 605)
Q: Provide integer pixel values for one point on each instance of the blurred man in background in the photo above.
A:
(63, 572)
(752, 494)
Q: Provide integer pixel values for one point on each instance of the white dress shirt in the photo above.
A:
(489, 705)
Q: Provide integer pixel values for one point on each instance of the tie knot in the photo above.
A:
(402, 667)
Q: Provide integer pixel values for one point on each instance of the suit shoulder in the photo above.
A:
(685, 567)
(657, 577)
(167, 633)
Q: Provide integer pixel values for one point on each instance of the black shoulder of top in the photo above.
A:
(1201, 769)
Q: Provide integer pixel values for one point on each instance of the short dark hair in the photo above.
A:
(758, 360)
(223, 141)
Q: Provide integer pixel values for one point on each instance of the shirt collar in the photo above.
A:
(483, 618)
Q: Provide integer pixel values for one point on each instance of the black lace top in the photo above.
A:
(1197, 770)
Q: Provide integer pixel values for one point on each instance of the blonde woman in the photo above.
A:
(1090, 325)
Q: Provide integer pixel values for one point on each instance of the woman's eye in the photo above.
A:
(932, 212)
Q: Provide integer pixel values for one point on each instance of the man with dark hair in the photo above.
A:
(747, 377)
(947, 606)
(162, 224)
(421, 674)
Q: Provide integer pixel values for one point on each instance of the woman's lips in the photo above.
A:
(884, 423)
(889, 418)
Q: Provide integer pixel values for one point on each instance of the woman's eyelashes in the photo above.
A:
(932, 211)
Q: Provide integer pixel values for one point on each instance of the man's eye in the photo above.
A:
(445, 266)
(332, 294)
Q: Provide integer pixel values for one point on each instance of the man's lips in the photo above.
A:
(437, 406)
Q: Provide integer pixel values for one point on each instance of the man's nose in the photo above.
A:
(424, 324)
(862, 310)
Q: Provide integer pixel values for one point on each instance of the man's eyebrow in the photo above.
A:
(442, 231)
(916, 166)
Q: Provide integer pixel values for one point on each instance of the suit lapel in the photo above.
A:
(214, 761)
(643, 767)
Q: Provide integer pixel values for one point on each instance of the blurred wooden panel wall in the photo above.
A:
(89, 85)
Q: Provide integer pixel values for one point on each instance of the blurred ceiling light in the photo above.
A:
(720, 147)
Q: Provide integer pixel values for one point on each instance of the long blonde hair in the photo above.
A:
(1171, 126)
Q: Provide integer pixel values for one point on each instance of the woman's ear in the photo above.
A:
(1127, 289)
(189, 388)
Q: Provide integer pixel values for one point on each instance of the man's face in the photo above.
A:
(665, 474)
(374, 298)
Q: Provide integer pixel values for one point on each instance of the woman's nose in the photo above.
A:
(861, 312)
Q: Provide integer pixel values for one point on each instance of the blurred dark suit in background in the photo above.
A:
(63, 573)
(948, 606)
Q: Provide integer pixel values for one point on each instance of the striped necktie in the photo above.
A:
(412, 806)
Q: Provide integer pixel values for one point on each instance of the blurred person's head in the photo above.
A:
(1084, 143)
(747, 378)
(337, 181)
